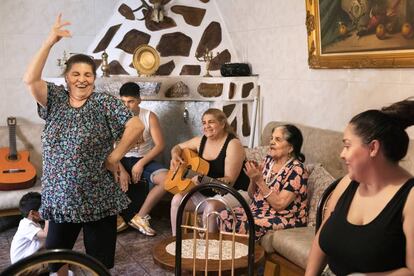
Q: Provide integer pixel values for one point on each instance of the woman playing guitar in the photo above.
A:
(225, 154)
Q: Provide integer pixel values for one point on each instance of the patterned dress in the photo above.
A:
(293, 177)
(76, 187)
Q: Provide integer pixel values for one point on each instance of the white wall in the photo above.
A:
(271, 35)
(24, 24)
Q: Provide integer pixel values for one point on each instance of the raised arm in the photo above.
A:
(42, 234)
(33, 75)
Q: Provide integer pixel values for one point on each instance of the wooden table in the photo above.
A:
(167, 261)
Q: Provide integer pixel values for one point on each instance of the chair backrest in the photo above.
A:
(322, 204)
(64, 256)
(244, 205)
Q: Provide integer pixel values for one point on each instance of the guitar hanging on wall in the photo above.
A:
(179, 180)
(16, 172)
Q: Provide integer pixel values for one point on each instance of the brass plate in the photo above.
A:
(146, 60)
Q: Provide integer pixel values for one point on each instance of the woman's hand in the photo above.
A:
(112, 165)
(136, 172)
(124, 180)
(195, 180)
(253, 170)
(57, 31)
(176, 161)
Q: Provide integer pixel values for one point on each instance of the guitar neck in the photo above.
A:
(204, 179)
(12, 141)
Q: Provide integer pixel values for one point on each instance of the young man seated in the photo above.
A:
(138, 164)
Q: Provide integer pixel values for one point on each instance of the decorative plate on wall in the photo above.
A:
(146, 60)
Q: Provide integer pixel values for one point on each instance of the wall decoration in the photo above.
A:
(246, 121)
(177, 90)
(115, 68)
(219, 60)
(232, 89)
(228, 109)
(153, 25)
(132, 39)
(127, 12)
(192, 16)
(166, 68)
(247, 87)
(360, 33)
(107, 38)
(209, 90)
(174, 44)
(191, 70)
(210, 39)
(146, 60)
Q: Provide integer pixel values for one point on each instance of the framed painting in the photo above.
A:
(360, 33)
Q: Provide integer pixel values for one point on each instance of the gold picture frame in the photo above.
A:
(360, 42)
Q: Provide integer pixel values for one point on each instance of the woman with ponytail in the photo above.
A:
(278, 187)
(369, 226)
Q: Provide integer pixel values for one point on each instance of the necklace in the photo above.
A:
(271, 176)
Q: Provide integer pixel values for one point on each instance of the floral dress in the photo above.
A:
(76, 187)
(293, 178)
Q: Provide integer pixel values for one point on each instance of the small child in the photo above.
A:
(30, 236)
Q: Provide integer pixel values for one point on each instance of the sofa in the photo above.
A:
(287, 250)
(27, 138)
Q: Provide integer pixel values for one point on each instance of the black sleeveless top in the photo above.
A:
(217, 165)
(374, 247)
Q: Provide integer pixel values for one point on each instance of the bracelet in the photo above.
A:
(268, 194)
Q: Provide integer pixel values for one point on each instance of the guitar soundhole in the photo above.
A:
(186, 172)
(13, 157)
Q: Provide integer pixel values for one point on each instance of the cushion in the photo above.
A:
(319, 179)
(294, 244)
(10, 199)
(257, 153)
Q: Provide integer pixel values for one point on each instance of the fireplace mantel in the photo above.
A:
(239, 97)
(113, 83)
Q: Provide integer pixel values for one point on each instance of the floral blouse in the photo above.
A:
(293, 177)
(76, 187)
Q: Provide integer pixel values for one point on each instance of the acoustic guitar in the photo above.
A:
(179, 180)
(16, 172)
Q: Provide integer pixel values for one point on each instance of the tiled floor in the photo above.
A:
(133, 250)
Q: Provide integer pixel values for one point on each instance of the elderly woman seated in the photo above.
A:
(278, 187)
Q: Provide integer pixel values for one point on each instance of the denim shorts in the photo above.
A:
(150, 169)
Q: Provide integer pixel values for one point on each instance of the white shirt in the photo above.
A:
(143, 147)
(25, 242)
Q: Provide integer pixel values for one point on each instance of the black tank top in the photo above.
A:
(373, 247)
(217, 166)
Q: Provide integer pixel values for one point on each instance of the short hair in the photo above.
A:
(80, 58)
(28, 202)
(129, 89)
